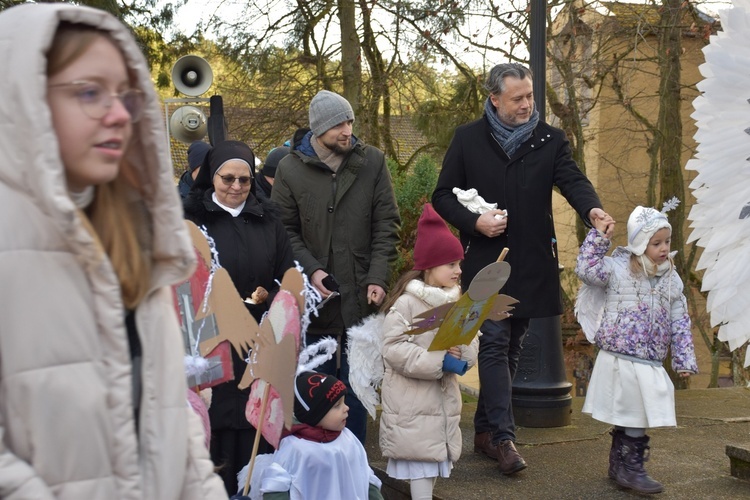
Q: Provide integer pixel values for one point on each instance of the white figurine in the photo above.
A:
(470, 199)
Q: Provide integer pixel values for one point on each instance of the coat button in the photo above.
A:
(330, 210)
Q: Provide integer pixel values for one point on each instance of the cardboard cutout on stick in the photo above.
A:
(274, 359)
(272, 347)
(458, 322)
(211, 312)
(273, 363)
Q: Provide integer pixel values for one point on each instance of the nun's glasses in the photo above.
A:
(96, 102)
(228, 180)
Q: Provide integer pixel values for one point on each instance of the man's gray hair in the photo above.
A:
(495, 83)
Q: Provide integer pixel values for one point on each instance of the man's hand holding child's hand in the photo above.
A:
(603, 222)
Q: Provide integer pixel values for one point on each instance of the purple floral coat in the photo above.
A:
(639, 319)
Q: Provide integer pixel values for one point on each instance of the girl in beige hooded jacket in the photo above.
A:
(421, 398)
(92, 388)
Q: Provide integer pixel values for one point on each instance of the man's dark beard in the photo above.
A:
(337, 148)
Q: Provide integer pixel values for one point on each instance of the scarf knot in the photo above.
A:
(311, 433)
(509, 138)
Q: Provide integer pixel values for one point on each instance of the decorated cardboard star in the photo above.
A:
(458, 322)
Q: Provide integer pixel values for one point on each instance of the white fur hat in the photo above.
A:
(642, 224)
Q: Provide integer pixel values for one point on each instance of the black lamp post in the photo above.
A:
(541, 391)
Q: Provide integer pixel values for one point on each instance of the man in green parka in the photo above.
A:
(338, 206)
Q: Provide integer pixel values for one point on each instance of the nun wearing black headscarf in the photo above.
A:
(254, 248)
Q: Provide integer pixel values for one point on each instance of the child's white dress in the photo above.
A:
(630, 393)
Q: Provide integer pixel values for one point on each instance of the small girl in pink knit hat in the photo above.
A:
(421, 399)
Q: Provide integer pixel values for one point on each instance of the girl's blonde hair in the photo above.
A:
(112, 218)
(399, 287)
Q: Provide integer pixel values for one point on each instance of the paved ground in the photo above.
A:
(571, 462)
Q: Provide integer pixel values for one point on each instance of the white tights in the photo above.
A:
(634, 432)
(421, 489)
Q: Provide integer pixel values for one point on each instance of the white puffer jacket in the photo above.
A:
(421, 403)
(639, 319)
(67, 425)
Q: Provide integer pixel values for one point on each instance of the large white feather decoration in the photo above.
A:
(366, 369)
(589, 309)
(720, 220)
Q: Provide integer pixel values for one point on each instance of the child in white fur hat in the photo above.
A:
(632, 306)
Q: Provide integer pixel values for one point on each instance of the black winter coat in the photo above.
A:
(254, 249)
(522, 185)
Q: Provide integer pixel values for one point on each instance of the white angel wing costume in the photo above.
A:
(721, 216)
(366, 369)
(589, 309)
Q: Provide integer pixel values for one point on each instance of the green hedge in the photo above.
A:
(413, 189)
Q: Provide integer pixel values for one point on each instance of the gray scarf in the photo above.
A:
(509, 138)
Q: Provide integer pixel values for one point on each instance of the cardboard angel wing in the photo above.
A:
(212, 317)
(458, 322)
(273, 360)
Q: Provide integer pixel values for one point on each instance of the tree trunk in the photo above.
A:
(351, 63)
(670, 123)
(669, 130)
(378, 133)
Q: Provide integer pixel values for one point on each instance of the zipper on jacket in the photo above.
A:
(446, 437)
(333, 193)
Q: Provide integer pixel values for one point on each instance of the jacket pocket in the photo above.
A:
(309, 221)
(361, 263)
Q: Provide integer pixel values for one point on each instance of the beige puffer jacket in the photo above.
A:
(66, 415)
(421, 403)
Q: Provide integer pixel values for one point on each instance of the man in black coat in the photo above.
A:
(514, 160)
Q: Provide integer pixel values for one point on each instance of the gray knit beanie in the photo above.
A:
(328, 109)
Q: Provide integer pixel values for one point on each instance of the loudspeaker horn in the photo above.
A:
(188, 124)
(192, 75)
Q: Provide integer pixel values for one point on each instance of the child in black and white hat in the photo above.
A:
(320, 457)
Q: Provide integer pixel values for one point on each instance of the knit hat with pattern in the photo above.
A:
(328, 109)
(643, 223)
(314, 395)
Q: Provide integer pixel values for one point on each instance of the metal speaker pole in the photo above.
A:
(217, 126)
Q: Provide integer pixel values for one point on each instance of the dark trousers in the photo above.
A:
(499, 350)
(357, 419)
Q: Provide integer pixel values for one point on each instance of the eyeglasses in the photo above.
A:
(96, 102)
(228, 180)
